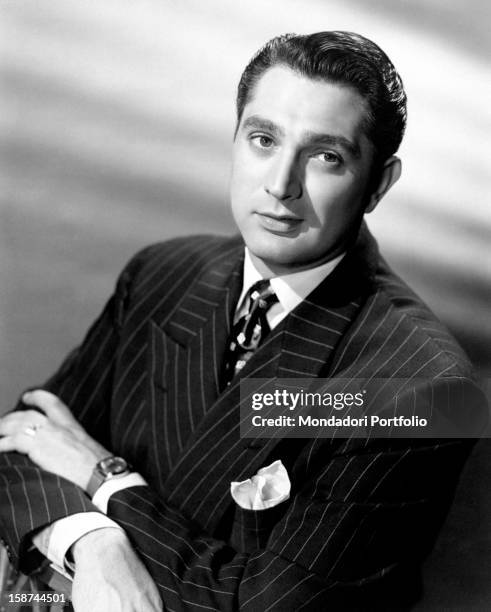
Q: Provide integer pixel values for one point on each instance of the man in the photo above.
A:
(156, 383)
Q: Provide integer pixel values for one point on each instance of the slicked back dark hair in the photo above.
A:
(341, 58)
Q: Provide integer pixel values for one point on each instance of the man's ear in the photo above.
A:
(390, 174)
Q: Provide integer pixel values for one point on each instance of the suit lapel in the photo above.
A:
(302, 346)
(185, 357)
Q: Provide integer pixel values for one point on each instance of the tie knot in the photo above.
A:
(262, 295)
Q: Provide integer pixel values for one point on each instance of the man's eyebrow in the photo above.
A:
(261, 123)
(314, 138)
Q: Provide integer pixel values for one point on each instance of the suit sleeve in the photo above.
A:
(366, 517)
(30, 497)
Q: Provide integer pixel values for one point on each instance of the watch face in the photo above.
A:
(113, 465)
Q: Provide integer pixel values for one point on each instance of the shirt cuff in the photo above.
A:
(66, 531)
(113, 485)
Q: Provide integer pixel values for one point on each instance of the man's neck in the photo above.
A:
(269, 269)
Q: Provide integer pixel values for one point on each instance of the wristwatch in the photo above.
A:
(105, 469)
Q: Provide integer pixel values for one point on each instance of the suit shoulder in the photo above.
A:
(410, 322)
(181, 252)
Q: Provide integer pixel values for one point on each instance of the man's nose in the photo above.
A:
(283, 180)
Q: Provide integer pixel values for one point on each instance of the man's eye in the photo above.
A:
(328, 157)
(262, 141)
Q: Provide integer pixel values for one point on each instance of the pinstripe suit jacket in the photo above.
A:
(146, 383)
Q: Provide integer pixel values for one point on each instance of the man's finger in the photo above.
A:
(20, 442)
(52, 405)
(17, 421)
(7, 444)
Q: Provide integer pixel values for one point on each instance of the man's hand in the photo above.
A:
(54, 440)
(110, 576)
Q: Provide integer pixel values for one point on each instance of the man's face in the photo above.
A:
(300, 170)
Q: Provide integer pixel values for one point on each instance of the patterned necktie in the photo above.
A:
(250, 329)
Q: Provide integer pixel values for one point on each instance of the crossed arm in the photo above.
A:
(109, 575)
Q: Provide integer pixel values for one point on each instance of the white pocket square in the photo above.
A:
(268, 488)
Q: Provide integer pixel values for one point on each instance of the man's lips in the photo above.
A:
(279, 223)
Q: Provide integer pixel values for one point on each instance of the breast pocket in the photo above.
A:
(251, 528)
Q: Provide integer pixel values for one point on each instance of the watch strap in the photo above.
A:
(96, 479)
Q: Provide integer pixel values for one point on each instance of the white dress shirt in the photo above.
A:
(291, 289)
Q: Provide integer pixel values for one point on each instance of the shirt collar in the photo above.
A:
(291, 288)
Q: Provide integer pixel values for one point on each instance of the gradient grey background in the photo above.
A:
(116, 126)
